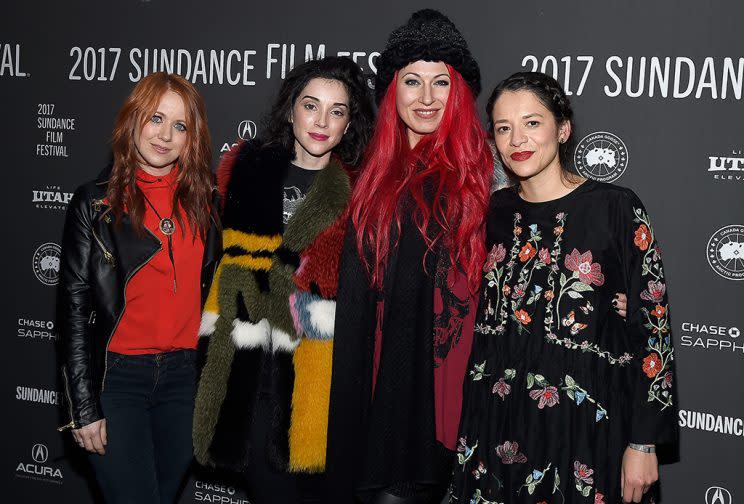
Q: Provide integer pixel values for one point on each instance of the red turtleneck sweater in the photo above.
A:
(157, 317)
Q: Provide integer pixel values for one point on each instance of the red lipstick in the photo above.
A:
(521, 156)
(320, 137)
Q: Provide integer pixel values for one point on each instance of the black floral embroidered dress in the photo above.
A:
(558, 383)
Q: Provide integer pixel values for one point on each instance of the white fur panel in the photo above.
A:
(323, 316)
(247, 335)
(282, 342)
(208, 323)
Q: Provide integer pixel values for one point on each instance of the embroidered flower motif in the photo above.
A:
(560, 216)
(589, 272)
(655, 292)
(523, 317)
(527, 252)
(667, 380)
(478, 471)
(652, 365)
(659, 311)
(517, 230)
(501, 388)
(583, 473)
(598, 498)
(506, 290)
(544, 256)
(549, 294)
(509, 453)
(518, 291)
(547, 396)
(558, 230)
(642, 237)
(496, 255)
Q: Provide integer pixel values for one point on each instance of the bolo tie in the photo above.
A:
(167, 227)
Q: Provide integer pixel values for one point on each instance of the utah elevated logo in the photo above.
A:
(726, 252)
(601, 156)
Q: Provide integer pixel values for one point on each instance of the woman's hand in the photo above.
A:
(92, 437)
(639, 471)
(620, 303)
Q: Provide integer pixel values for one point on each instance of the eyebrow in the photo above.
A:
(157, 112)
(337, 104)
(420, 77)
(527, 116)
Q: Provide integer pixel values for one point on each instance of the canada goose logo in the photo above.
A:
(717, 495)
(726, 252)
(601, 156)
(46, 263)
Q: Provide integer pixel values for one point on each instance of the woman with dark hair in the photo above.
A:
(262, 403)
(139, 248)
(412, 256)
(564, 402)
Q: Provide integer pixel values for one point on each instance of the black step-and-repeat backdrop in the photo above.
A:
(657, 88)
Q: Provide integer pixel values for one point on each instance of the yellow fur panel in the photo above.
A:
(310, 398)
(249, 241)
(211, 304)
(248, 262)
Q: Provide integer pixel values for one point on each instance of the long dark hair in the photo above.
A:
(278, 130)
(551, 94)
(195, 180)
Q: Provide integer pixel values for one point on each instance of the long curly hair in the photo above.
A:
(278, 129)
(195, 180)
(447, 174)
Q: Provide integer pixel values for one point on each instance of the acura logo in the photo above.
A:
(717, 495)
(39, 453)
(247, 130)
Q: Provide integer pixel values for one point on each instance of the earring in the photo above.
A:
(561, 140)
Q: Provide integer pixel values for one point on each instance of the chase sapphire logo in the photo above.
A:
(601, 156)
(726, 252)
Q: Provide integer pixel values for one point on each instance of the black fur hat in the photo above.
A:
(428, 35)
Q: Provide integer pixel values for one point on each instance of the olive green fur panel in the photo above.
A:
(322, 205)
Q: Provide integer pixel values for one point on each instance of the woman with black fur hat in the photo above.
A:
(262, 403)
(411, 264)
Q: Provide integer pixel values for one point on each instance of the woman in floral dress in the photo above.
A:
(564, 402)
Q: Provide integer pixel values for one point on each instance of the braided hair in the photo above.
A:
(550, 93)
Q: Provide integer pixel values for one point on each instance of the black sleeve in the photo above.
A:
(654, 414)
(74, 308)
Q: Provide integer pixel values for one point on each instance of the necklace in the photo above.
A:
(167, 227)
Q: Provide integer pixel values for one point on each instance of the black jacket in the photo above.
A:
(98, 260)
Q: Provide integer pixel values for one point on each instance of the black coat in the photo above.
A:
(98, 259)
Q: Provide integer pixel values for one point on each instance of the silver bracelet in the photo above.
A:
(642, 447)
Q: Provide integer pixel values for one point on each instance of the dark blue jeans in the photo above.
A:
(148, 402)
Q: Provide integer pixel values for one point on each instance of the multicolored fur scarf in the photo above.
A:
(273, 297)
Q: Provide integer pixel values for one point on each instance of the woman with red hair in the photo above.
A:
(139, 248)
(412, 260)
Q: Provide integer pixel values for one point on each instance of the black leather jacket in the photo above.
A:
(98, 260)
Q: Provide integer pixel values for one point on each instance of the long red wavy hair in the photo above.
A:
(453, 163)
(193, 194)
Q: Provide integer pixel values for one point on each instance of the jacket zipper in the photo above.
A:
(108, 256)
(70, 425)
(118, 320)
